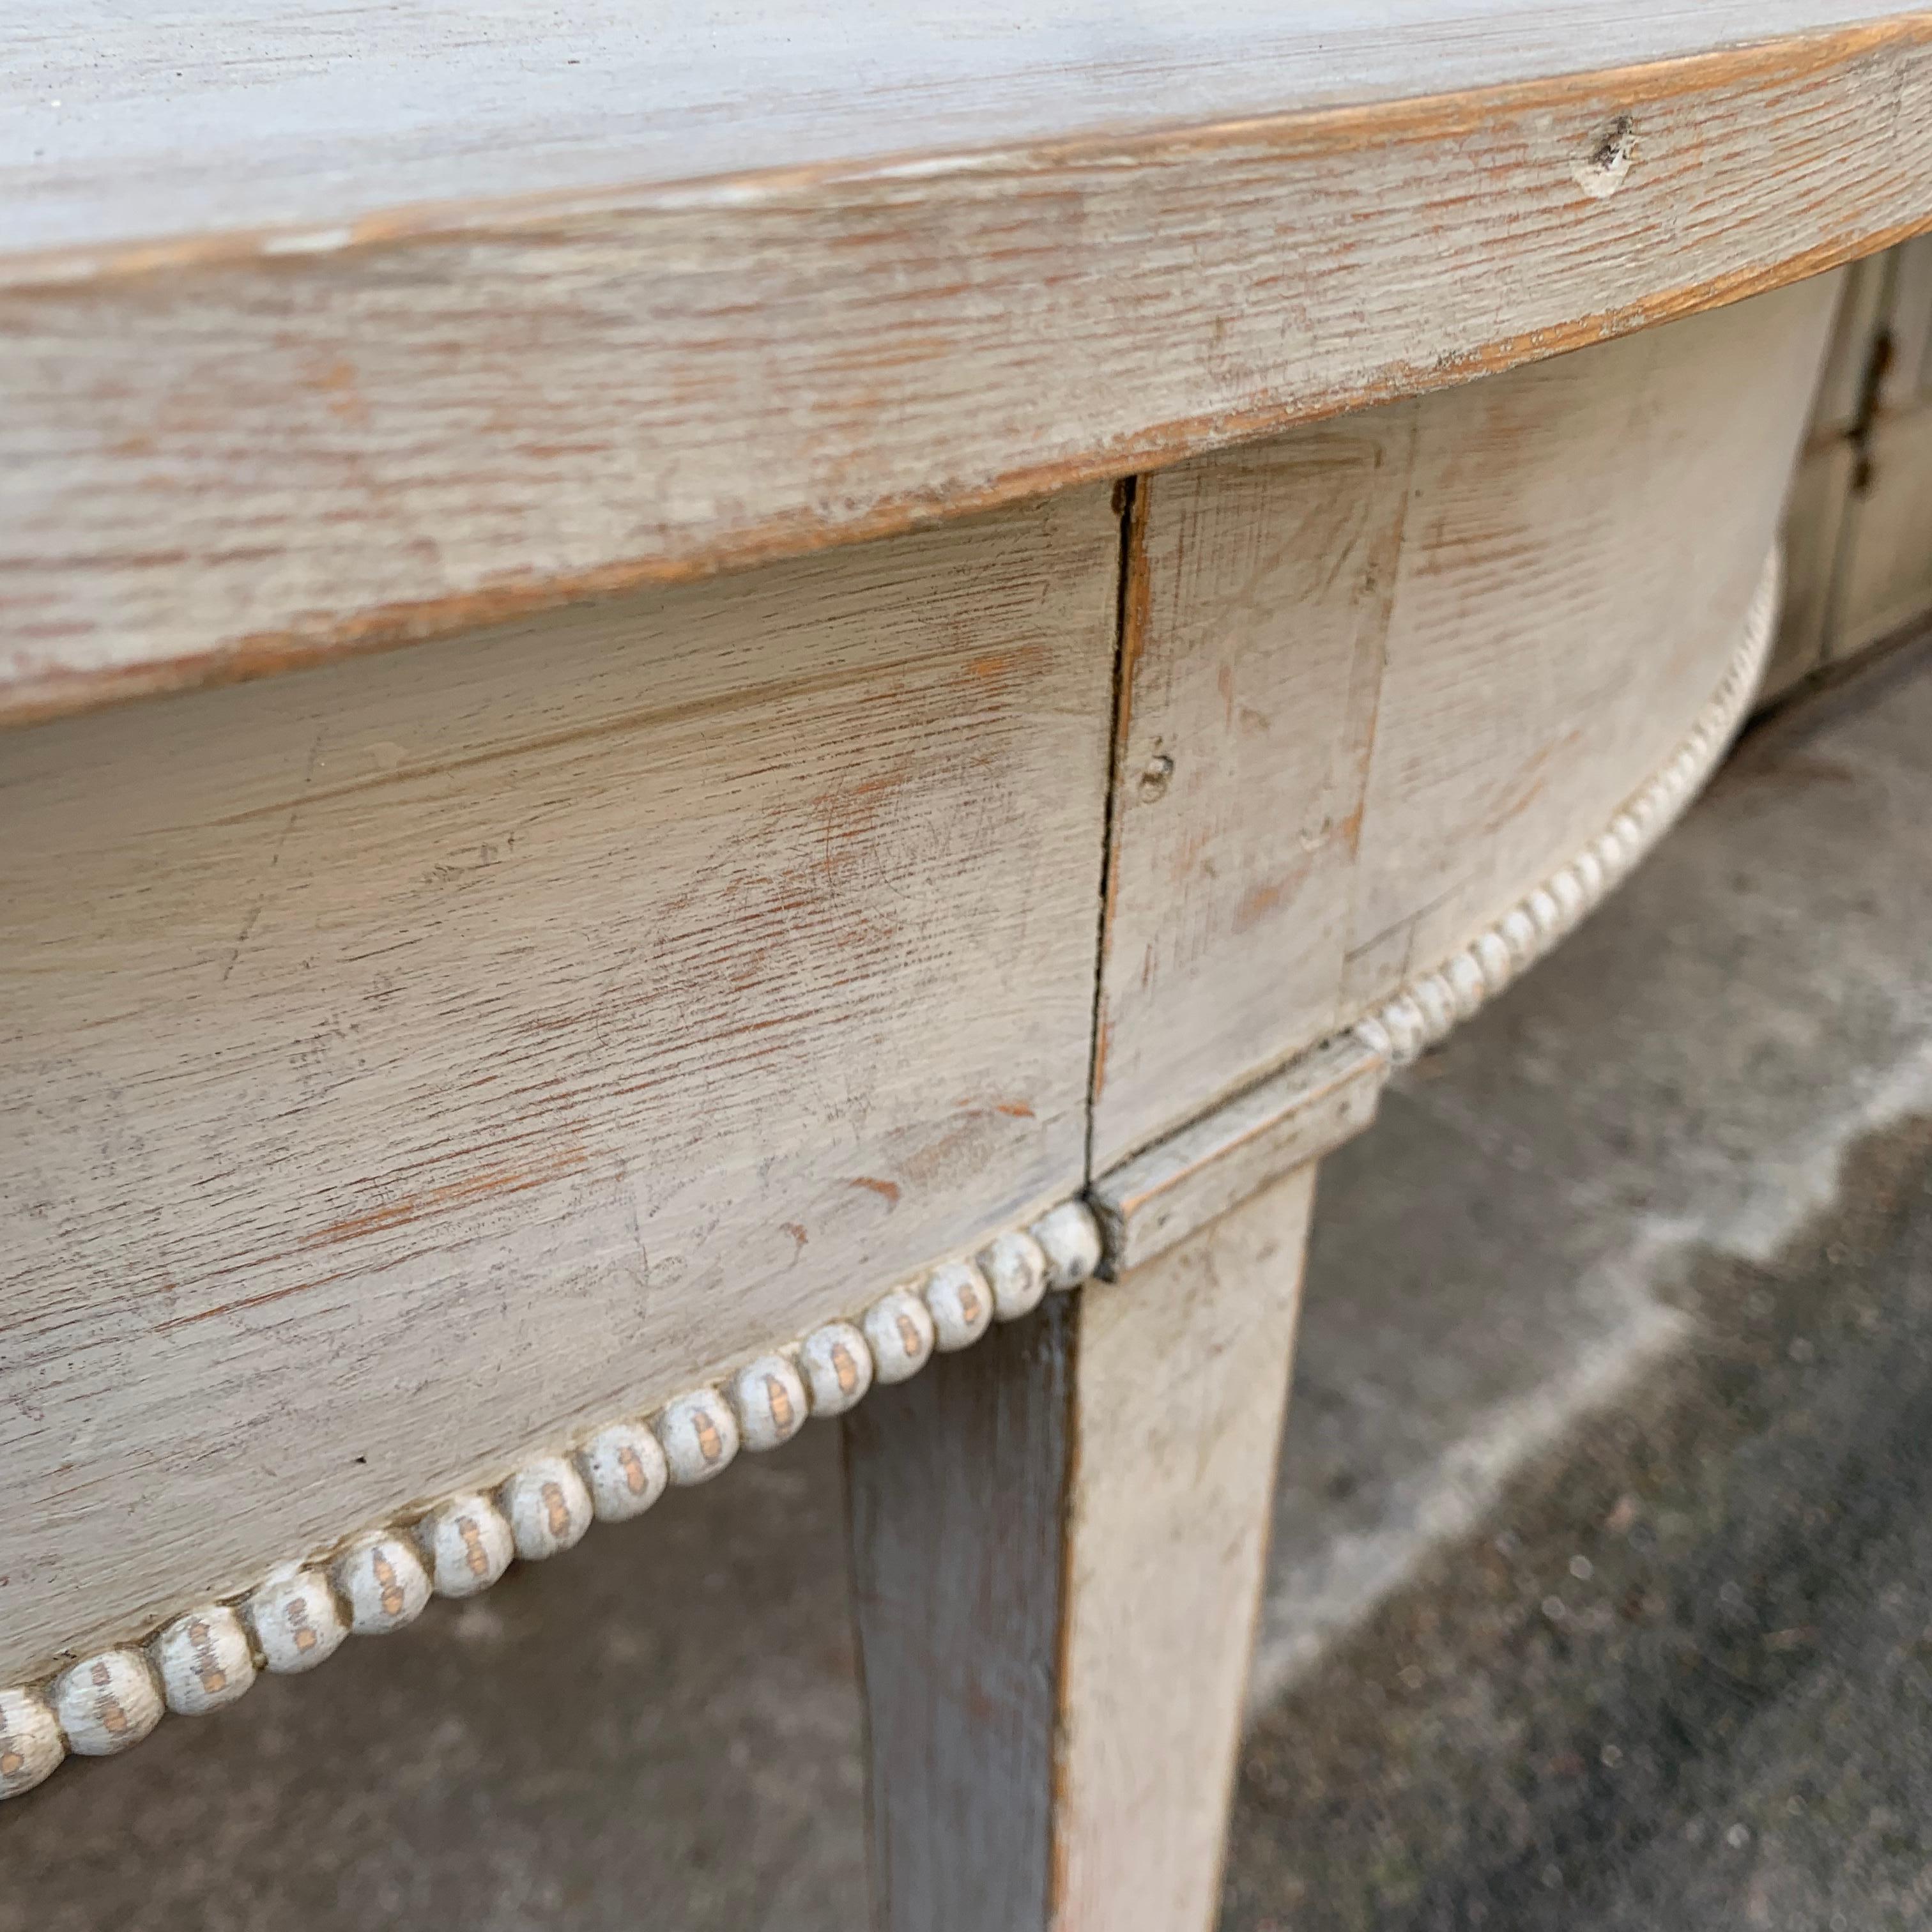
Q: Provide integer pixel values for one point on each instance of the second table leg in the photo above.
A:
(1058, 1539)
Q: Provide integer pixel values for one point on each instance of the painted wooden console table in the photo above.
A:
(997, 623)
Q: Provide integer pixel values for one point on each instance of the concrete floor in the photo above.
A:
(1602, 1589)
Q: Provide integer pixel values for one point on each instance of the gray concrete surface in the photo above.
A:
(1499, 1256)
(1600, 1595)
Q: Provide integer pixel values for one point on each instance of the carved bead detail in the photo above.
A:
(31, 1744)
(1376, 1036)
(1438, 1012)
(1494, 960)
(1467, 986)
(1403, 1019)
(623, 1468)
(107, 1702)
(769, 1396)
(700, 1436)
(899, 1327)
(1424, 1010)
(1014, 1265)
(467, 1543)
(1542, 907)
(961, 1305)
(204, 1661)
(383, 1582)
(1070, 1237)
(1518, 934)
(296, 1619)
(836, 1363)
(547, 1506)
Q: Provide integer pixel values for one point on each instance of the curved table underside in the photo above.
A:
(228, 452)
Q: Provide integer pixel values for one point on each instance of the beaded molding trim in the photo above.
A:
(380, 1579)
(1425, 1008)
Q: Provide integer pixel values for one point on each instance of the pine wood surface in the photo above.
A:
(1381, 674)
(236, 450)
(411, 1061)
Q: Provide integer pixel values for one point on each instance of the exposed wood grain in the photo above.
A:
(1182, 1380)
(1056, 1542)
(957, 1486)
(414, 1059)
(119, 123)
(1381, 676)
(1250, 667)
(1159, 1197)
(463, 413)
(1582, 542)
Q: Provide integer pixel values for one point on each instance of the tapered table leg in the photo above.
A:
(1058, 1541)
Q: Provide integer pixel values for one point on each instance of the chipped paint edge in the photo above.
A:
(380, 1579)
(1427, 1007)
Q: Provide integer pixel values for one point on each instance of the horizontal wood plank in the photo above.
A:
(243, 452)
(1148, 1204)
(412, 1062)
(121, 124)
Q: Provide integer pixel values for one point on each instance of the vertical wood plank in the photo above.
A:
(1057, 1542)
(1252, 658)
(1817, 519)
(1887, 572)
(956, 1486)
(1181, 1389)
